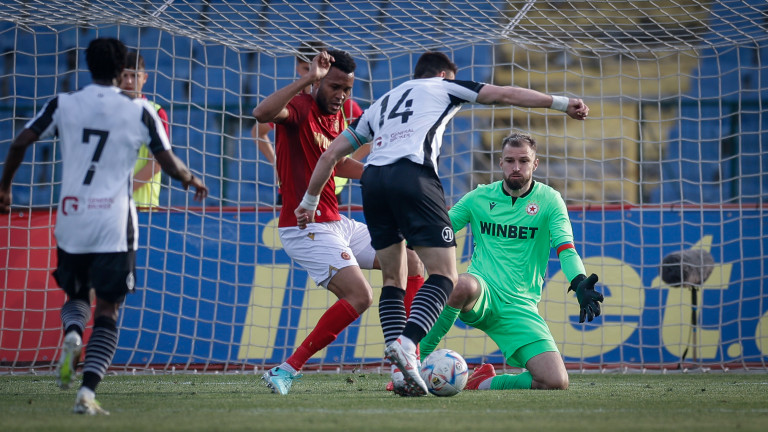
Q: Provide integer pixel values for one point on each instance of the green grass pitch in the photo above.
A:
(358, 402)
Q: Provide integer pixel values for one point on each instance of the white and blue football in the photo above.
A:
(445, 372)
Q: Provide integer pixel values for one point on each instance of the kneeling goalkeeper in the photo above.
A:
(514, 223)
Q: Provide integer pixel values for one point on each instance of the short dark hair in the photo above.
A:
(343, 61)
(309, 49)
(431, 63)
(517, 139)
(106, 58)
(135, 60)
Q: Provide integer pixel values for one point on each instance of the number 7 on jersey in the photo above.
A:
(87, 133)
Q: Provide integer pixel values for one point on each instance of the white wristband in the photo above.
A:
(560, 103)
(310, 202)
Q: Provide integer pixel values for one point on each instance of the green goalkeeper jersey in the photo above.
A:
(513, 236)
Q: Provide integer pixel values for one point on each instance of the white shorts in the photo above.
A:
(325, 248)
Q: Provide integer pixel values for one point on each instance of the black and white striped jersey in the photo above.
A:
(409, 121)
(100, 132)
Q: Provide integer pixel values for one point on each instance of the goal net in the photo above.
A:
(671, 167)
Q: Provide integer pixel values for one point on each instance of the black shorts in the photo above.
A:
(405, 200)
(111, 275)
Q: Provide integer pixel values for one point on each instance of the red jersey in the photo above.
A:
(351, 111)
(299, 141)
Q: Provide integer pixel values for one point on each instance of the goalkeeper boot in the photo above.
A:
(279, 380)
(482, 373)
(408, 363)
(86, 403)
(66, 370)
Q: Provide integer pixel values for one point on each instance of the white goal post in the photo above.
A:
(673, 158)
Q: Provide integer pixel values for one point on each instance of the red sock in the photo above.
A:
(411, 288)
(334, 320)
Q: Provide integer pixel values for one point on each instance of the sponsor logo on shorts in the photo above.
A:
(130, 281)
(448, 234)
(345, 255)
(532, 209)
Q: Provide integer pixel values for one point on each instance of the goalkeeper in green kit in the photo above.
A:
(514, 224)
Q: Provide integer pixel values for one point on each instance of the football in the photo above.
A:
(445, 372)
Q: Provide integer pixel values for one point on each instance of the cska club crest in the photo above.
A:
(532, 209)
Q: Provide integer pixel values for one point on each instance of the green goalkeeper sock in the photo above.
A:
(510, 382)
(444, 323)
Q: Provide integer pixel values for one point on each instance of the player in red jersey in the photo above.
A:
(334, 248)
(351, 111)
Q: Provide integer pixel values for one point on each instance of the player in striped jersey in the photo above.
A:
(403, 198)
(514, 224)
(100, 131)
(335, 248)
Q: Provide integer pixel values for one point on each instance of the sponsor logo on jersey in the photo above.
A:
(532, 209)
(70, 206)
(508, 231)
(345, 256)
(100, 203)
(321, 140)
(491, 205)
(311, 236)
(400, 135)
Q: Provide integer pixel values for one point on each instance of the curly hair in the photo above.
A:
(343, 61)
(106, 58)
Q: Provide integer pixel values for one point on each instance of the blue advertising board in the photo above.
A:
(218, 288)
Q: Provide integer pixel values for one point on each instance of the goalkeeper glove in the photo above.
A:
(589, 299)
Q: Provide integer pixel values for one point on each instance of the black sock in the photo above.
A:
(75, 314)
(426, 307)
(391, 313)
(100, 351)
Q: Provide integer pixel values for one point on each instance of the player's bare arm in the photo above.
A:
(273, 107)
(528, 98)
(361, 153)
(349, 168)
(13, 160)
(145, 174)
(339, 148)
(260, 134)
(174, 167)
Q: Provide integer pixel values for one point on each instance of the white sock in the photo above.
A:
(86, 393)
(485, 385)
(407, 343)
(288, 368)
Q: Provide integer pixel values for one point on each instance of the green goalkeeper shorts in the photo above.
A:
(513, 324)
